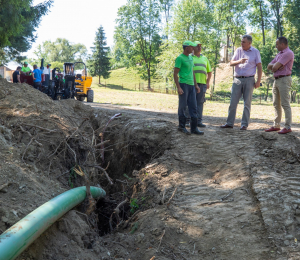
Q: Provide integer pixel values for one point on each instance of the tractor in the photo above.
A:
(64, 85)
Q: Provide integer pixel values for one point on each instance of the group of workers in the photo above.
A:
(36, 75)
(194, 72)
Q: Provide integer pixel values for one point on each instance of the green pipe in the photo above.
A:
(17, 238)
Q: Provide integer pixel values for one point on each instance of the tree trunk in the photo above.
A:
(266, 97)
(149, 79)
(227, 46)
(99, 80)
(262, 24)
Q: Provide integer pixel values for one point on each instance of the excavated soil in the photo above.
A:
(229, 194)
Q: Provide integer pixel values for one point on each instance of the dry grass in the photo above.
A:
(169, 103)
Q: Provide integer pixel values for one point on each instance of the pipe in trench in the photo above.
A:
(17, 238)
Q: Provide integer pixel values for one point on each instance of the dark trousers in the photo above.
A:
(187, 99)
(200, 99)
(37, 85)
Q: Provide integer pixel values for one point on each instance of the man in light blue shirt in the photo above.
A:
(37, 78)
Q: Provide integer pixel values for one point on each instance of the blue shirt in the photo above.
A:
(37, 75)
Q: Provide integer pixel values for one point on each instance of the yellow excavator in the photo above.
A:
(83, 85)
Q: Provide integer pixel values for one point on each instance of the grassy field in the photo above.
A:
(169, 103)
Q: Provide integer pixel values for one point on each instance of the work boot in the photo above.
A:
(181, 127)
(188, 122)
(201, 125)
(194, 129)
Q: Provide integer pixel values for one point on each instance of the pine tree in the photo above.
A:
(99, 64)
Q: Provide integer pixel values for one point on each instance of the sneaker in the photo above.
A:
(285, 131)
(271, 129)
(201, 125)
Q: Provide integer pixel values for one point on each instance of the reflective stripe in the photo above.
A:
(200, 64)
(200, 71)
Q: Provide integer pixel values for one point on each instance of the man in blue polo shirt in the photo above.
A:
(37, 78)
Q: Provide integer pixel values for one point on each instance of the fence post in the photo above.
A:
(122, 86)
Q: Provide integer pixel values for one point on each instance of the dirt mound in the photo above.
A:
(41, 143)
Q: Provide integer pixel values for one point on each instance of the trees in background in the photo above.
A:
(19, 20)
(99, 64)
(137, 35)
(59, 52)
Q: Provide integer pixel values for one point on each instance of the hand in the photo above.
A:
(281, 68)
(243, 60)
(257, 84)
(207, 85)
(197, 89)
(180, 91)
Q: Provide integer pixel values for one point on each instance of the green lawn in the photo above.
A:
(169, 103)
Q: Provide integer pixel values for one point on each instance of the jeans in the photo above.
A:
(200, 98)
(187, 99)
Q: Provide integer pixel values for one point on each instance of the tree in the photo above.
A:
(19, 20)
(61, 51)
(137, 33)
(99, 64)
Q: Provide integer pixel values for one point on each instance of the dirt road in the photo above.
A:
(237, 194)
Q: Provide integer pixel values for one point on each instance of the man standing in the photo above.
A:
(37, 78)
(202, 70)
(245, 60)
(187, 88)
(25, 69)
(282, 68)
(16, 75)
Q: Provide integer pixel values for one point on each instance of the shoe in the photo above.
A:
(187, 124)
(201, 125)
(285, 131)
(183, 130)
(226, 126)
(194, 129)
(271, 129)
(243, 128)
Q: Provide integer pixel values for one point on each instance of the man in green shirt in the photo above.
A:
(187, 88)
(25, 69)
(203, 71)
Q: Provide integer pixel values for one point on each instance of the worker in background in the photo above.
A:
(25, 69)
(37, 78)
(203, 71)
(16, 75)
(187, 88)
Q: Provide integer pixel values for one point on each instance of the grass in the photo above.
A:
(122, 88)
(169, 103)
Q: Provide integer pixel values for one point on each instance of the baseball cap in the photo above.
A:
(26, 62)
(189, 43)
(197, 42)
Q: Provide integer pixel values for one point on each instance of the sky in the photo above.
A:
(77, 21)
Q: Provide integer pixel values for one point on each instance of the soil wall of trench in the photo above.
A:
(43, 142)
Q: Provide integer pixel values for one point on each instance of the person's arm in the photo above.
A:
(259, 74)
(270, 66)
(195, 83)
(19, 79)
(176, 71)
(33, 76)
(276, 66)
(209, 74)
(236, 62)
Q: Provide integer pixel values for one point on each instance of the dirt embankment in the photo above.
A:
(229, 194)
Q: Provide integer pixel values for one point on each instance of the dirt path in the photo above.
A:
(237, 194)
